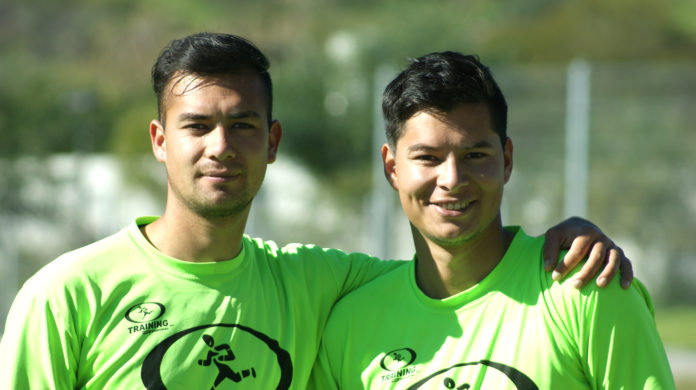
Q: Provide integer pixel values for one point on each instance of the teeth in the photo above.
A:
(453, 206)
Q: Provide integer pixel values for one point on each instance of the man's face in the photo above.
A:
(216, 143)
(449, 170)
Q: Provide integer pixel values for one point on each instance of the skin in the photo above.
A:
(449, 170)
(216, 146)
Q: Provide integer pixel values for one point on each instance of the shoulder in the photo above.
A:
(520, 271)
(77, 266)
(607, 324)
(591, 293)
(597, 307)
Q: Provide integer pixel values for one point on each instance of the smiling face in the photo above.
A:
(449, 170)
(216, 143)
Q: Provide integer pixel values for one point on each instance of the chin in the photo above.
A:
(222, 209)
(219, 212)
(451, 239)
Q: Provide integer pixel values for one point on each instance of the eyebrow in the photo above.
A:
(426, 147)
(192, 116)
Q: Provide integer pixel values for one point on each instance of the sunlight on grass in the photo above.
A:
(674, 323)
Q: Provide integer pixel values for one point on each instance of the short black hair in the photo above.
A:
(438, 82)
(210, 54)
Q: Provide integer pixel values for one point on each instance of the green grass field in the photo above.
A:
(676, 326)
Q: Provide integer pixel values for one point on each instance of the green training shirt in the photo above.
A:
(118, 314)
(516, 329)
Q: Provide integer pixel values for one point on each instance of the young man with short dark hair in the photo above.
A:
(475, 308)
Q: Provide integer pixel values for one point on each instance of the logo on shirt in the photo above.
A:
(217, 356)
(455, 377)
(146, 317)
(398, 363)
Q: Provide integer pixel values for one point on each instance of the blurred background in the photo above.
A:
(602, 100)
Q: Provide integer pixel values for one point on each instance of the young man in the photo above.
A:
(187, 301)
(475, 308)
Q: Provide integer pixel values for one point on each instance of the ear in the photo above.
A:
(159, 144)
(388, 158)
(507, 156)
(275, 133)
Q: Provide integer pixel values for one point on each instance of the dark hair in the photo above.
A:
(210, 54)
(438, 82)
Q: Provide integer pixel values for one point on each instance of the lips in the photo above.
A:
(222, 175)
(221, 172)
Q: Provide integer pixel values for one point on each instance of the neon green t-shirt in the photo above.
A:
(516, 329)
(118, 314)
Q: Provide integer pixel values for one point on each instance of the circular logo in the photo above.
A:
(145, 312)
(443, 376)
(398, 359)
(230, 354)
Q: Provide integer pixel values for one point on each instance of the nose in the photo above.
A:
(220, 145)
(450, 174)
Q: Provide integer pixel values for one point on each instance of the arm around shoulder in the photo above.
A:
(348, 270)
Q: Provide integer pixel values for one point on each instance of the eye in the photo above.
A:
(475, 155)
(426, 158)
(196, 126)
(243, 125)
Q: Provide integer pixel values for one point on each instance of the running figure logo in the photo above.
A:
(218, 355)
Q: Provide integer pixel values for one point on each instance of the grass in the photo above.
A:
(675, 325)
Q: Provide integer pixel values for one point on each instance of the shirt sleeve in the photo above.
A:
(39, 347)
(616, 337)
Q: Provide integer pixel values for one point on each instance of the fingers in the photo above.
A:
(611, 268)
(585, 238)
(594, 263)
(579, 247)
(605, 257)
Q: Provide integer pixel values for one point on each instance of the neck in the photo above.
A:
(187, 236)
(443, 270)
